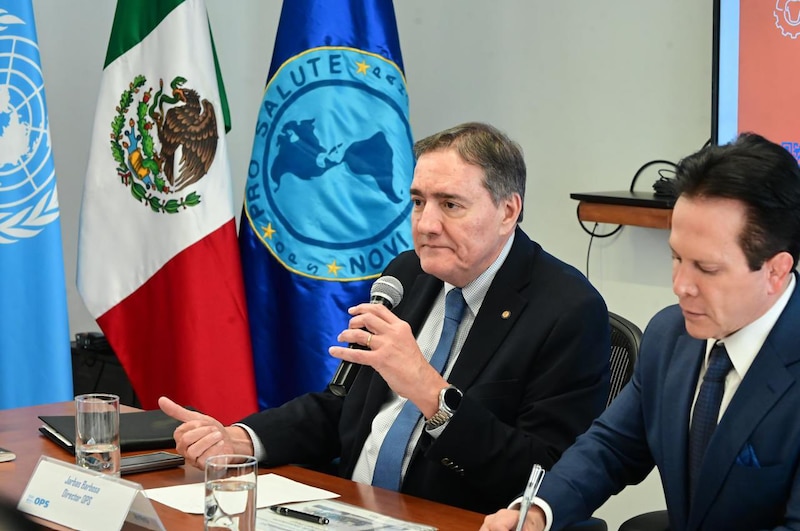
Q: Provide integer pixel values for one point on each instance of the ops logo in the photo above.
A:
(37, 501)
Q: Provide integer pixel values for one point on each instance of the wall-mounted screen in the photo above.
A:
(756, 85)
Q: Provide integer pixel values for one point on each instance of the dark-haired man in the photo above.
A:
(528, 351)
(715, 397)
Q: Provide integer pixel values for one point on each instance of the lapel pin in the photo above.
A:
(506, 314)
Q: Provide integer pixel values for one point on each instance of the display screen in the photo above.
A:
(757, 71)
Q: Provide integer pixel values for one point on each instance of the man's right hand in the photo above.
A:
(506, 520)
(201, 436)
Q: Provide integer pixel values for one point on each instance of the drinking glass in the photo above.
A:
(97, 432)
(230, 501)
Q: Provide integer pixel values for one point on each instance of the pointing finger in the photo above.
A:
(178, 412)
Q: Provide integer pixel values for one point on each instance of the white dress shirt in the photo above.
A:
(743, 346)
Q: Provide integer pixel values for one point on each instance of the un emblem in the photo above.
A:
(327, 188)
(28, 200)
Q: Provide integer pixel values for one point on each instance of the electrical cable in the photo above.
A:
(664, 185)
(647, 165)
(589, 249)
(592, 232)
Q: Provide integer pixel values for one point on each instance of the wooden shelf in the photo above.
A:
(655, 218)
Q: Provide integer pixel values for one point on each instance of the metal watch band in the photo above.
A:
(445, 412)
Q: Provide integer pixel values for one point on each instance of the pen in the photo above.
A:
(291, 513)
(537, 474)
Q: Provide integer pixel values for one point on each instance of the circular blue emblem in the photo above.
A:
(327, 189)
(27, 175)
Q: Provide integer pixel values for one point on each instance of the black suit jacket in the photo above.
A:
(533, 370)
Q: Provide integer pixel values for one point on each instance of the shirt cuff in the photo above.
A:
(259, 452)
(538, 502)
(548, 512)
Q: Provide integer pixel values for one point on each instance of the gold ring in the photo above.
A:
(369, 339)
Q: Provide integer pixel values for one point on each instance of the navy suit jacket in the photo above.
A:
(534, 372)
(749, 479)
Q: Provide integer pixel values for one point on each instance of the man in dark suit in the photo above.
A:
(715, 398)
(528, 365)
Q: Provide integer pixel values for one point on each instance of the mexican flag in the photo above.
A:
(158, 261)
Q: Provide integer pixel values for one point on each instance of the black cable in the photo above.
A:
(647, 165)
(592, 232)
(667, 173)
(663, 174)
(589, 249)
(592, 235)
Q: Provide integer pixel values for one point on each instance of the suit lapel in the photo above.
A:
(765, 383)
(487, 331)
(500, 310)
(679, 387)
(414, 311)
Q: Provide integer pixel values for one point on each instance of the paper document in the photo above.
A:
(272, 490)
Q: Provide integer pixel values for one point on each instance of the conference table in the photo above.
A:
(19, 432)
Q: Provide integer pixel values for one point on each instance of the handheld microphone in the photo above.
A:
(387, 291)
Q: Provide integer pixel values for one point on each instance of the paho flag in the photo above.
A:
(158, 264)
(35, 366)
(327, 204)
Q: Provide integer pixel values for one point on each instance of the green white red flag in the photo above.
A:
(158, 261)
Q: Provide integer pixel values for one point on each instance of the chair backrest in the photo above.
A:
(625, 340)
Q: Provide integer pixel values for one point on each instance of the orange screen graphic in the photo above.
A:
(769, 70)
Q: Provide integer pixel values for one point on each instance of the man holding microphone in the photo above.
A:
(496, 358)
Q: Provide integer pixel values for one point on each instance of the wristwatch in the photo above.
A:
(449, 400)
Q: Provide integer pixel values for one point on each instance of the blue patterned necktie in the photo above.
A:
(706, 410)
(388, 466)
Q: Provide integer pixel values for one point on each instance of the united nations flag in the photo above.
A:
(35, 364)
(326, 205)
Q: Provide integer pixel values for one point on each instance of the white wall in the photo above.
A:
(591, 90)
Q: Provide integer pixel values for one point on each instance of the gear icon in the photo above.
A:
(787, 17)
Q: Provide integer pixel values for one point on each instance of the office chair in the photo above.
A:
(625, 340)
(652, 521)
(624, 332)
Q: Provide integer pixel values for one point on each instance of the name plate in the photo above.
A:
(75, 497)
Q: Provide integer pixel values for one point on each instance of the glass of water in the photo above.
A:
(97, 432)
(231, 492)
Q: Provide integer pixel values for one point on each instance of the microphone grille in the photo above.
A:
(389, 288)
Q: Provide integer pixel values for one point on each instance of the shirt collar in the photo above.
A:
(475, 291)
(744, 344)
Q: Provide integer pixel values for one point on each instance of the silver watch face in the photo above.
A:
(449, 400)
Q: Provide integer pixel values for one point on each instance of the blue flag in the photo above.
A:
(35, 364)
(326, 204)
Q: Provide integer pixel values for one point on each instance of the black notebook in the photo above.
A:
(140, 430)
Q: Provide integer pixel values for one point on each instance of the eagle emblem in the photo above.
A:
(179, 154)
